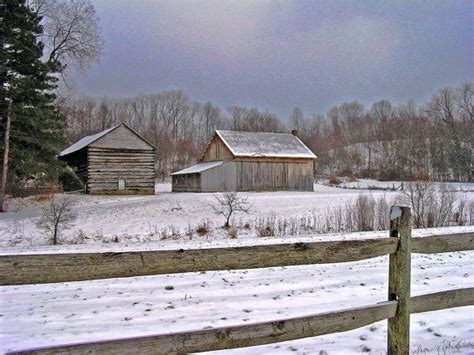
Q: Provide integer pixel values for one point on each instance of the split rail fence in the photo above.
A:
(64, 267)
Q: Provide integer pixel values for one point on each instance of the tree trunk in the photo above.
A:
(6, 154)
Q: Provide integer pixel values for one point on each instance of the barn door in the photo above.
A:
(121, 184)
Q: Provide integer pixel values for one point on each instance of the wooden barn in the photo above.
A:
(115, 161)
(250, 161)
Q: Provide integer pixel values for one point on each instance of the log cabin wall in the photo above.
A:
(108, 167)
(114, 161)
(120, 162)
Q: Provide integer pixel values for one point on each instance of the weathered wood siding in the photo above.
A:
(252, 173)
(220, 178)
(217, 150)
(121, 138)
(274, 175)
(107, 166)
(186, 183)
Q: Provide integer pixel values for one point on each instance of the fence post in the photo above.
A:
(399, 277)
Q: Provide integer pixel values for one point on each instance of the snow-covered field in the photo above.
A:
(147, 218)
(38, 315)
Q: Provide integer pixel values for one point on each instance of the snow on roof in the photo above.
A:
(85, 141)
(199, 168)
(259, 144)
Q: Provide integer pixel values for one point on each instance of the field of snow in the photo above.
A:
(146, 218)
(38, 315)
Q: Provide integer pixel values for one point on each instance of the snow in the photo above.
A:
(199, 168)
(374, 184)
(151, 218)
(146, 218)
(41, 315)
(262, 144)
(85, 141)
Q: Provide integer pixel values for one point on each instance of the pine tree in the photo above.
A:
(26, 98)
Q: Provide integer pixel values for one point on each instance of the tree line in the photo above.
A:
(41, 40)
(432, 140)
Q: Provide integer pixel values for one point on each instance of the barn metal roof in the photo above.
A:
(85, 141)
(199, 168)
(259, 144)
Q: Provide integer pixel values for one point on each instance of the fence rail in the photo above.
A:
(63, 267)
(51, 267)
(267, 332)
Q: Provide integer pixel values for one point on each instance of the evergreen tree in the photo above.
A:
(26, 98)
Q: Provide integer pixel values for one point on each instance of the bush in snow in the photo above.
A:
(431, 207)
(229, 202)
(58, 214)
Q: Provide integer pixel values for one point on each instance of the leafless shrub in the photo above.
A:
(471, 213)
(80, 238)
(460, 214)
(229, 202)
(202, 229)
(382, 211)
(190, 232)
(233, 232)
(58, 214)
(430, 207)
(265, 232)
(333, 180)
(364, 213)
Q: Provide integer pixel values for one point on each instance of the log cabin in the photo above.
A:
(250, 161)
(115, 161)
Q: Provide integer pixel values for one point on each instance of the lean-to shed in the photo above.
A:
(249, 161)
(115, 161)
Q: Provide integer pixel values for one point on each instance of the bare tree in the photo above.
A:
(430, 207)
(6, 155)
(57, 214)
(229, 202)
(71, 31)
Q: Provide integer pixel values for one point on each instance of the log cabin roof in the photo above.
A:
(259, 144)
(199, 168)
(87, 140)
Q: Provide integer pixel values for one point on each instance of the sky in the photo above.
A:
(280, 54)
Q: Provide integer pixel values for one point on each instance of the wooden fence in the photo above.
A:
(61, 267)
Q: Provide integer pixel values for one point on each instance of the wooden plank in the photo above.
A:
(234, 336)
(119, 150)
(399, 278)
(120, 154)
(61, 267)
(121, 138)
(444, 243)
(443, 300)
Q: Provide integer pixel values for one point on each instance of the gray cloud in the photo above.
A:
(278, 54)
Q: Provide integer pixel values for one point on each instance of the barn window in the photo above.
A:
(121, 184)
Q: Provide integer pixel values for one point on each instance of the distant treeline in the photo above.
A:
(431, 140)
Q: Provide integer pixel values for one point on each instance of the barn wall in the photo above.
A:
(107, 166)
(186, 183)
(271, 176)
(121, 138)
(220, 178)
(217, 150)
